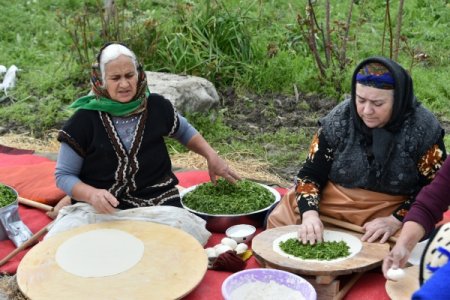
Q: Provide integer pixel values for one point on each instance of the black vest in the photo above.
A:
(141, 177)
(351, 166)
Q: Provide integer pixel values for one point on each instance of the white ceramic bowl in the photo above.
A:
(270, 283)
(241, 233)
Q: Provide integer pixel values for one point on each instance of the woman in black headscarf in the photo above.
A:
(368, 160)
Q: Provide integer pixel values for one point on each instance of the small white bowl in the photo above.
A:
(242, 233)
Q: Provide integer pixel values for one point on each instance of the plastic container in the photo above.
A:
(271, 284)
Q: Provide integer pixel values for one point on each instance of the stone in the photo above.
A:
(187, 93)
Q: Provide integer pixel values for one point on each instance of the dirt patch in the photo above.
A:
(254, 114)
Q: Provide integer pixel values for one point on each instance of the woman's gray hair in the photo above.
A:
(112, 52)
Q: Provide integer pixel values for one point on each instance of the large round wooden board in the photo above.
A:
(404, 288)
(173, 264)
(370, 256)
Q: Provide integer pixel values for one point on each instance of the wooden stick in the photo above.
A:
(347, 286)
(349, 226)
(35, 204)
(342, 224)
(31, 241)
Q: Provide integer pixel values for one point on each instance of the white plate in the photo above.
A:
(328, 235)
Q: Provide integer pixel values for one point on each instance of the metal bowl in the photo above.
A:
(220, 223)
(6, 212)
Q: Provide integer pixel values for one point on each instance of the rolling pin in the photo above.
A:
(35, 237)
(34, 204)
(31, 241)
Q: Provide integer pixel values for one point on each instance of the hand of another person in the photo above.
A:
(218, 167)
(103, 201)
(397, 258)
(380, 228)
(311, 229)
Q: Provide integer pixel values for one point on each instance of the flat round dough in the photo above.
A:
(354, 244)
(99, 253)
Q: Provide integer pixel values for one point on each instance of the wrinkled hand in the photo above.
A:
(397, 258)
(103, 201)
(311, 229)
(218, 167)
(380, 228)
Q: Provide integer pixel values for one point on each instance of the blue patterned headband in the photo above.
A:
(376, 75)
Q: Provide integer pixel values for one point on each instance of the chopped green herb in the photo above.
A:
(7, 195)
(320, 251)
(229, 199)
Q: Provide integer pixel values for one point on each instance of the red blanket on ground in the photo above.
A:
(370, 286)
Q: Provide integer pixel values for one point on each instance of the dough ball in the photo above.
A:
(395, 274)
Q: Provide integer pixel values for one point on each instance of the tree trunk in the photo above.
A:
(398, 29)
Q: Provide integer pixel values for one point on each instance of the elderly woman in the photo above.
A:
(113, 153)
(370, 157)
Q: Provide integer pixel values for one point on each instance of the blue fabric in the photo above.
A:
(68, 166)
(185, 132)
(384, 81)
(435, 288)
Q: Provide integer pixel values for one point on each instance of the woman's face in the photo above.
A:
(374, 106)
(121, 79)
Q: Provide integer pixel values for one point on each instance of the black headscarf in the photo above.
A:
(404, 99)
(379, 141)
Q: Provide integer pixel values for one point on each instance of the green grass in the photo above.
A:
(254, 46)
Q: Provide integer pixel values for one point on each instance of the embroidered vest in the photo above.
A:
(141, 177)
(351, 164)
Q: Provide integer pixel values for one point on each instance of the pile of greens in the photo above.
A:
(7, 196)
(320, 251)
(225, 198)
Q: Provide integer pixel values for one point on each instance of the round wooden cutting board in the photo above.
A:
(370, 256)
(173, 264)
(404, 288)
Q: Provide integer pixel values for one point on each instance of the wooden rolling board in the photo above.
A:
(404, 289)
(173, 264)
(370, 256)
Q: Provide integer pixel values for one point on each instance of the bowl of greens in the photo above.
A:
(224, 204)
(8, 199)
(8, 195)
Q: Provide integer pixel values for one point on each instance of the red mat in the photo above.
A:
(370, 286)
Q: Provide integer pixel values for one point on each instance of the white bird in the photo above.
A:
(2, 69)
(9, 81)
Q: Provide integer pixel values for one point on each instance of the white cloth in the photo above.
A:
(79, 214)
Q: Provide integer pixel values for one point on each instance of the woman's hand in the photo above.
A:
(380, 228)
(218, 167)
(397, 258)
(411, 234)
(103, 201)
(311, 229)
